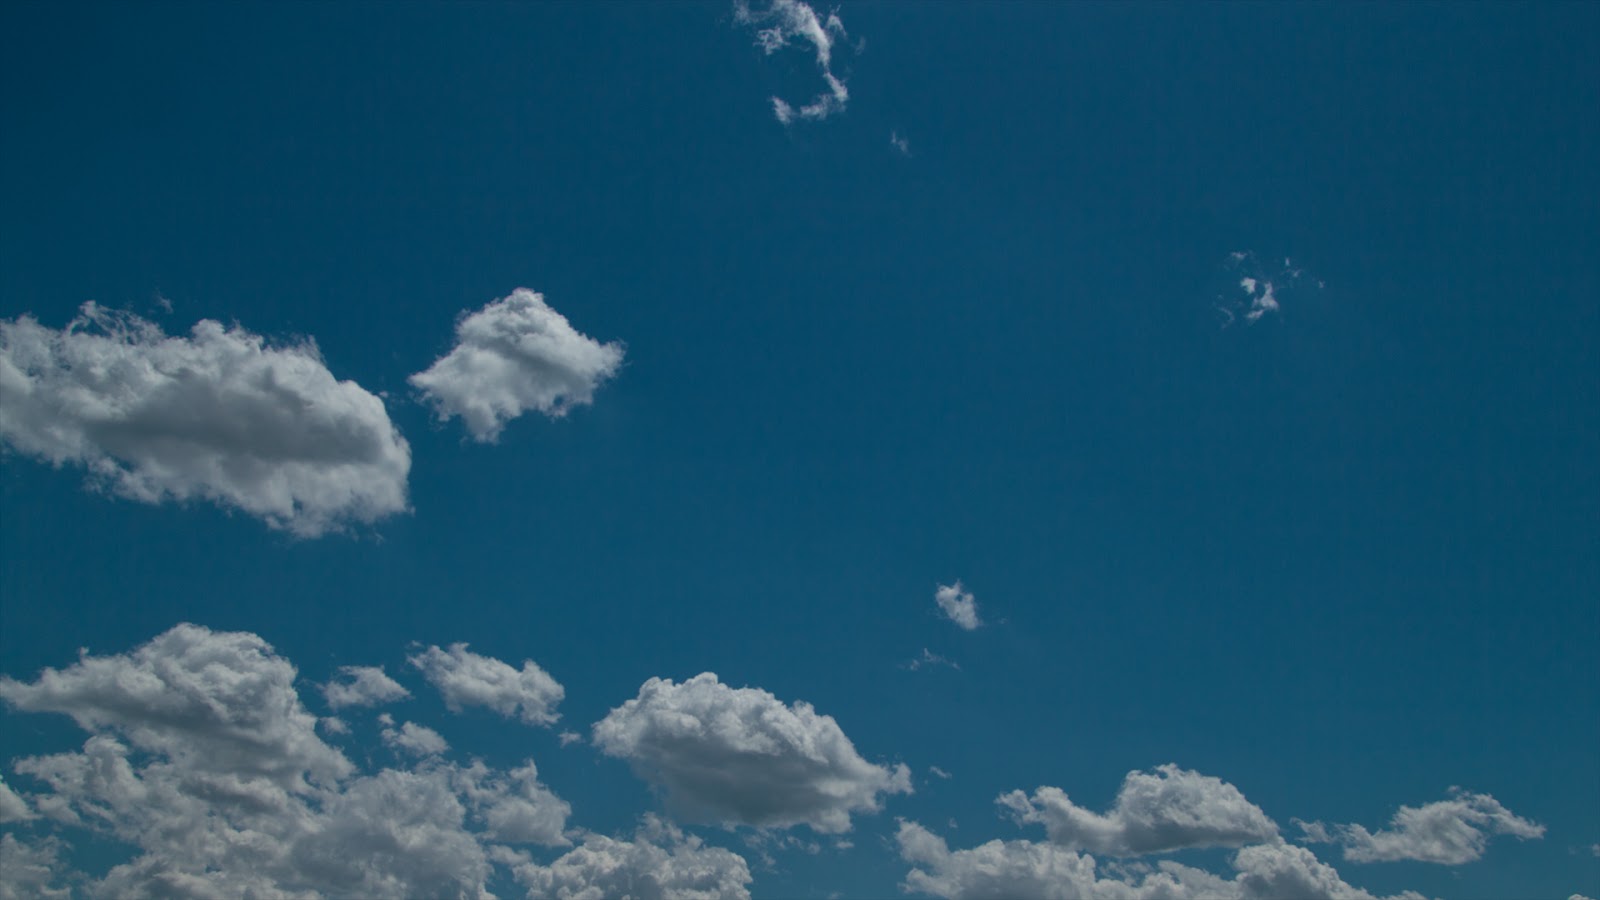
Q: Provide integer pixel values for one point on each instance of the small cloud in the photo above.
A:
(899, 143)
(568, 738)
(939, 773)
(958, 605)
(1449, 832)
(785, 21)
(362, 686)
(418, 740)
(334, 725)
(1260, 288)
(929, 658)
(466, 679)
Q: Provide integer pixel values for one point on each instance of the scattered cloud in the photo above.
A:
(467, 679)
(958, 605)
(740, 756)
(785, 21)
(220, 415)
(362, 686)
(899, 143)
(1155, 812)
(418, 740)
(1021, 870)
(929, 658)
(568, 738)
(659, 862)
(31, 868)
(939, 773)
(515, 355)
(1259, 287)
(1450, 832)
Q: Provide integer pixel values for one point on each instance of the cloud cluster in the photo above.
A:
(785, 21)
(1261, 286)
(1450, 832)
(202, 759)
(741, 756)
(958, 605)
(218, 415)
(1165, 809)
(515, 355)
(468, 679)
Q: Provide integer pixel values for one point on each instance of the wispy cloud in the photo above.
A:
(787, 21)
(899, 143)
(1450, 832)
(929, 658)
(1259, 287)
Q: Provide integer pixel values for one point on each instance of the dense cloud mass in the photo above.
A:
(1167, 809)
(467, 679)
(790, 20)
(512, 356)
(958, 605)
(741, 756)
(219, 415)
(202, 759)
(1450, 832)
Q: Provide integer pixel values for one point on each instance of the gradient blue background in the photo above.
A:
(1345, 558)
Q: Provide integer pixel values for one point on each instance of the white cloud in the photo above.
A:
(660, 863)
(1261, 285)
(899, 143)
(31, 868)
(568, 738)
(219, 415)
(362, 686)
(1450, 832)
(418, 740)
(467, 679)
(929, 658)
(790, 20)
(958, 605)
(515, 355)
(1166, 809)
(12, 807)
(741, 756)
(1025, 870)
(938, 772)
(202, 759)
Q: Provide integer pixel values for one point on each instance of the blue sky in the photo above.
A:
(1330, 556)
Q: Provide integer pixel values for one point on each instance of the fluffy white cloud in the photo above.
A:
(1450, 832)
(660, 863)
(219, 415)
(418, 740)
(202, 759)
(362, 686)
(958, 605)
(741, 756)
(31, 868)
(467, 679)
(1167, 809)
(785, 21)
(1025, 870)
(514, 355)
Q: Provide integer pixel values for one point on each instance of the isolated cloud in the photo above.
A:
(512, 356)
(958, 605)
(660, 863)
(1165, 809)
(201, 759)
(741, 756)
(467, 679)
(1257, 288)
(929, 658)
(1449, 832)
(785, 21)
(1025, 870)
(362, 686)
(899, 143)
(219, 415)
(417, 740)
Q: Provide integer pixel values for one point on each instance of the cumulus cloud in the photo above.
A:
(1258, 287)
(362, 686)
(1025, 870)
(219, 415)
(787, 21)
(12, 807)
(659, 863)
(1155, 812)
(1450, 832)
(31, 869)
(418, 740)
(958, 605)
(512, 356)
(467, 679)
(202, 760)
(741, 756)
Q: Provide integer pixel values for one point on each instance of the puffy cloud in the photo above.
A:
(741, 756)
(514, 355)
(467, 679)
(216, 702)
(418, 740)
(362, 686)
(1025, 870)
(785, 21)
(31, 868)
(202, 759)
(219, 415)
(1450, 832)
(12, 807)
(660, 863)
(1166, 809)
(958, 605)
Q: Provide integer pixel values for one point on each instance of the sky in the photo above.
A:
(780, 450)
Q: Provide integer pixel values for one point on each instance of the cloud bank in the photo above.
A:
(785, 21)
(740, 756)
(219, 415)
(513, 356)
